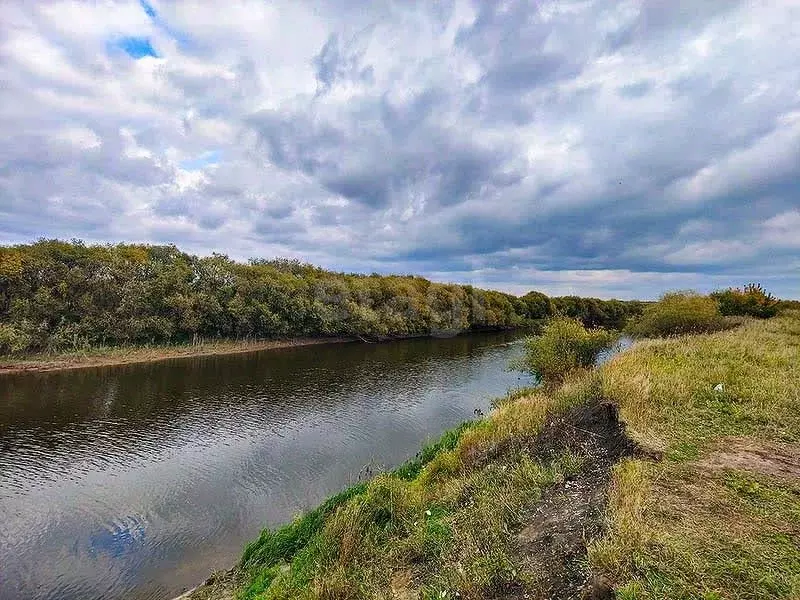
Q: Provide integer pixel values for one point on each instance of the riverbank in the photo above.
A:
(671, 471)
(122, 355)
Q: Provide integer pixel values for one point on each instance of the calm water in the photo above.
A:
(138, 481)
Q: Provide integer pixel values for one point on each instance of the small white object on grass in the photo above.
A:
(719, 388)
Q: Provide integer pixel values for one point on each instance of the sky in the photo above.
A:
(600, 148)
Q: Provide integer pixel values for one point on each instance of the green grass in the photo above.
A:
(682, 533)
(689, 525)
(447, 536)
(263, 557)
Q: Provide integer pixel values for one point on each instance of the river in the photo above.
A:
(135, 482)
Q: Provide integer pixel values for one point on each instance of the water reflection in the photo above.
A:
(135, 481)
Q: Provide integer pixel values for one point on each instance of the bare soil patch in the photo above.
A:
(748, 455)
(552, 544)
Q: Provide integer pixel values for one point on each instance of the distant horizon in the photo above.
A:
(613, 150)
(521, 291)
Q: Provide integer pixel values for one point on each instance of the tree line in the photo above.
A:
(62, 296)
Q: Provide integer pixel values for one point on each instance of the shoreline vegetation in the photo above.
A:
(124, 355)
(69, 298)
(671, 471)
(121, 355)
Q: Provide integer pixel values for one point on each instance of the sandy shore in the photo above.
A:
(124, 356)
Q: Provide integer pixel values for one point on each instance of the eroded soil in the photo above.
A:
(552, 545)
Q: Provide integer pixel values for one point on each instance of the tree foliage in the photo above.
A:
(593, 312)
(678, 313)
(751, 301)
(59, 296)
(537, 305)
(564, 345)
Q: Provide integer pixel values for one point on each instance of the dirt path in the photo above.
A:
(777, 460)
(553, 541)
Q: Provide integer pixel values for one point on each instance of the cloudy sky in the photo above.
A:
(616, 149)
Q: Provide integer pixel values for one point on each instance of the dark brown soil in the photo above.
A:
(552, 543)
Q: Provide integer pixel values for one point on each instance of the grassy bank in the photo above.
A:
(693, 493)
(121, 355)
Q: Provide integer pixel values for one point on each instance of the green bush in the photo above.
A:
(752, 301)
(563, 346)
(678, 313)
(12, 340)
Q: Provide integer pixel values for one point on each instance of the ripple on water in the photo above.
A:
(121, 536)
(135, 482)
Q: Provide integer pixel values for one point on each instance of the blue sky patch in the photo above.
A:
(147, 8)
(183, 39)
(206, 159)
(136, 47)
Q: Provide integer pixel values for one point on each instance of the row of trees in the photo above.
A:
(57, 295)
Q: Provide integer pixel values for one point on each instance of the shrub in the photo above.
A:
(752, 301)
(593, 312)
(537, 305)
(563, 346)
(12, 340)
(678, 313)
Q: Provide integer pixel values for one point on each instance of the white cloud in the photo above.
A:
(782, 231)
(597, 146)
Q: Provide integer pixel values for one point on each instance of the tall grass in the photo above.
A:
(436, 525)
